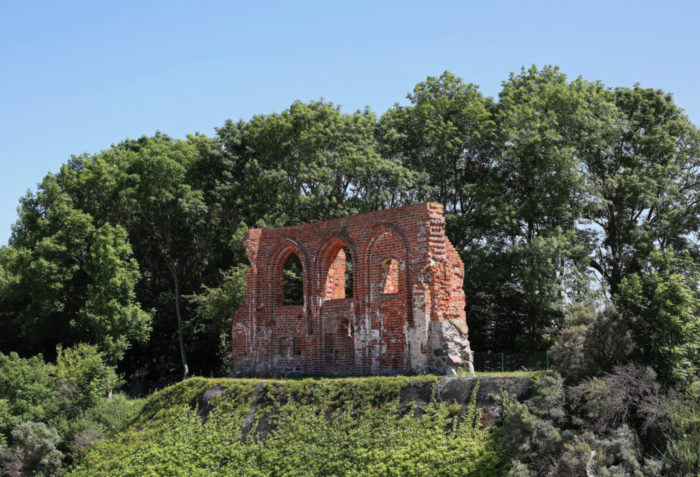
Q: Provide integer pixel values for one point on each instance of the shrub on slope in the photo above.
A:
(309, 427)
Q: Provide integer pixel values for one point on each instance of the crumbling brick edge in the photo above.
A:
(406, 312)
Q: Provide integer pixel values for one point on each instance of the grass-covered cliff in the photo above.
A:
(353, 426)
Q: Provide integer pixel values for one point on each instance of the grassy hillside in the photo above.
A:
(350, 426)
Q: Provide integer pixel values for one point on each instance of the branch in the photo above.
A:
(597, 267)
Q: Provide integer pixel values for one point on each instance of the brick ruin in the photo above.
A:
(402, 313)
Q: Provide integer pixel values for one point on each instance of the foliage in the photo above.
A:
(642, 163)
(325, 427)
(4, 275)
(68, 399)
(630, 395)
(27, 391)
(541, 182)
(682, 456)
(85, 435)
(83, 378)
(293, 281)
(661, 307)
(45, 264)
(171, 213)
(554, 185)
(113, 415)
(32, 451)
(110, 307)
(531, 438)
(215, 308)
(108, 417)
(310, 162)
(574, 206)
(609, 426)
(70, 281)
(590, 341)
(447, 137)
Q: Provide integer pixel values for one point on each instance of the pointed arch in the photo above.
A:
(338, 258)
(387, 242)
(273, 279)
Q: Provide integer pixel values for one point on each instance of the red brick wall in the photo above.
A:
(406, 312)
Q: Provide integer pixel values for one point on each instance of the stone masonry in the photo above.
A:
(406, 313)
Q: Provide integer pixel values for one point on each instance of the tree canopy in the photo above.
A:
(556, 193)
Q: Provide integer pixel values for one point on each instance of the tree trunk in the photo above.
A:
(183, 357)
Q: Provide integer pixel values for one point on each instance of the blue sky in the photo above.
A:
(79, 76)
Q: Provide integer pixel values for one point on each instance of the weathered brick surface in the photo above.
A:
(406, 312)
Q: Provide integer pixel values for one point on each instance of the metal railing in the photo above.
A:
(504, 362)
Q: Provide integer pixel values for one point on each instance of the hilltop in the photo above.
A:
(422, 425)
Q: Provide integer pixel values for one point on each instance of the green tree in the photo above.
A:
(110, 309)
(661, 307)
(590, 341)
(27, 391)
(682, 456)
(33, 451)
(46, 262)
(4, 275)
(69, 281)
(598, 432)
(540, 199)
(146, 187)
(169, 216)
(83, 377)
(215, 309)
(447, 136)
(554, 182)
(311, 162)
(642, 161)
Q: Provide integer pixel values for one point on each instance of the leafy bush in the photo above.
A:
(84, 433)
(596, 432)
(548, 399)
(115, 414)
(682, 456)
(108, 417)
(590, 341)
(630, 395)
(82, 377)
(27, 391)
(215, 308)
(661, 308)
(32, 451)
(528, 433)
(70, 397)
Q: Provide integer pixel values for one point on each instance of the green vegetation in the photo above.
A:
(593, 427)
(33, 451)
(574, 206)
(510, 374)
(556, 192)
(351, 426)
(51, 412)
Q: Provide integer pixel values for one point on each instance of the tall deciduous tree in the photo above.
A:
(68, 280)
(170, 215)
(215, 309)
(311, 162)
(447, 137)
(110, 308)
(554, 180)
(540, 180)
(661, 307)
(643, 171)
